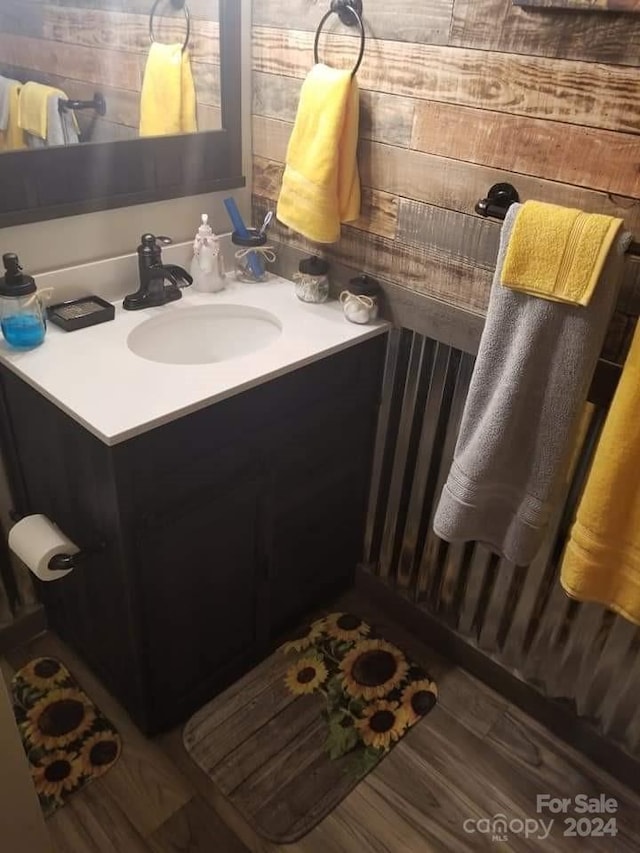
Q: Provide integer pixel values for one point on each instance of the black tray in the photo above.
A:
(80, 313)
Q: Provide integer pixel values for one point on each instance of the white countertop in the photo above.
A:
(93, 376)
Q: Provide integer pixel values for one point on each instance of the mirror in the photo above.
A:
(95, 61)
(105, 103)
(597, 5)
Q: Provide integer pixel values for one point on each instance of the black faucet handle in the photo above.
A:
(150, 247)
(162, 274)
(180, 273)
(151, 240)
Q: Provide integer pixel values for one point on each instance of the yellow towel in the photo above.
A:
(168, 98)
(321, 185)
(557, 253)
(33, 106)
(602, 558)
(12, 139)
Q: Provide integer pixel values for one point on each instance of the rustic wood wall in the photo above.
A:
(458, 95)
(82, 46)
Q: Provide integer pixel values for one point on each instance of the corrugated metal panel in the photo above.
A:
(17, 594)
(519, 616)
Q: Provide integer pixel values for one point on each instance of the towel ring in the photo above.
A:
(349, 12)
(177, 4)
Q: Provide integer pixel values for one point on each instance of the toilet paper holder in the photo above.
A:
(66, 562)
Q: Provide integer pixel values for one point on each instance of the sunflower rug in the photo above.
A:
(67, 739)
(290, 740)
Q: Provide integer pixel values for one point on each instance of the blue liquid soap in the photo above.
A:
(23, 331)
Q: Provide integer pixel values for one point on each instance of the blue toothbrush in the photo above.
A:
(253, 260)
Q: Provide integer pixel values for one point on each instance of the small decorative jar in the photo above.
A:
(360, 302)
(312, 280)
(252, 255)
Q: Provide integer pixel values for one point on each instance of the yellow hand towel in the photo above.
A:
(168, 98)
(33, 106)
(602, 558)
(321, 185)
(12, 139)
(557, 253)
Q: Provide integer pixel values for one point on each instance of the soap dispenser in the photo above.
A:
(22, 316)
(207, 266)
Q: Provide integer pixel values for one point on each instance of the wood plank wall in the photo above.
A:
(458, 95)
(82, 46)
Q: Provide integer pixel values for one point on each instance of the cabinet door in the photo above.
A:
(319, 491)
(316, 546)
(198, 586)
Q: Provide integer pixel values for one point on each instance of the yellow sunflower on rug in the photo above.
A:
(346, 627)
(305, 638)
(372, 669)
(44, 673)
(56, 774)
(382, 723)
(305, 676)
(60, 717)
(99, 752)
(418, 698)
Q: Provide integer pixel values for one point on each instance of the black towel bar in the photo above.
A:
(98, 104)
(500, 198)
(350, 13)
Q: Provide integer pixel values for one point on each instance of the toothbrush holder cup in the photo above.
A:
(250, 265)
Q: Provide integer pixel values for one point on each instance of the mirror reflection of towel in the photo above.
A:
(168, 97)
(39, 116)
(7, 85)
(11, 134)
(62, 128)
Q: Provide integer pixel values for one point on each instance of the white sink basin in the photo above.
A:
(205, 334)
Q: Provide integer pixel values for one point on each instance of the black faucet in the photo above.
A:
(159, 283)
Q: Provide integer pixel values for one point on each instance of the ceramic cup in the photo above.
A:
(358, 308)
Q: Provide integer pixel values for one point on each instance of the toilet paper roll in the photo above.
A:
(36, 540)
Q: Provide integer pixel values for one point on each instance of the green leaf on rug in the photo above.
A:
(335, 694)
(342, 736)
(362, 761)
(26, 695)
(357, 706)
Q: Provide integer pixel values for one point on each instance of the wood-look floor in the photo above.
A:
(474, 756)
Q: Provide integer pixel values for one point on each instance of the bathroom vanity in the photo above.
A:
(219, 502)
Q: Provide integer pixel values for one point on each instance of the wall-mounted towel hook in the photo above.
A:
(344, 10)
(350, 13)
(177, 5)
(499, 199)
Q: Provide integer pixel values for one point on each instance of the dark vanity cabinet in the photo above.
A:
(219, 530)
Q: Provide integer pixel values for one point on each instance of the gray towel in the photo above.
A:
(529, 386)
(6, 86)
